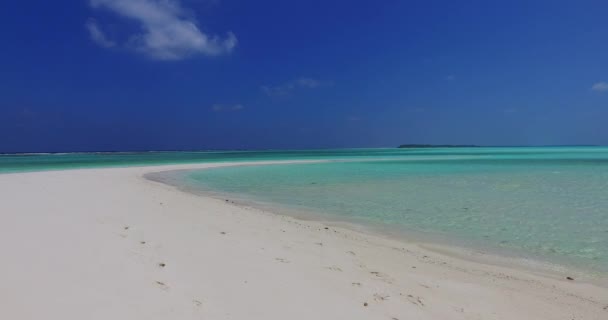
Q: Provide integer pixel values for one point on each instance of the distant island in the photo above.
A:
(414, 146)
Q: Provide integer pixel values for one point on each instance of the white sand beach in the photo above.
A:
(110, 244)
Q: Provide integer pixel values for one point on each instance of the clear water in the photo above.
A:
(41, 162)
(63, 161)
(550, 203)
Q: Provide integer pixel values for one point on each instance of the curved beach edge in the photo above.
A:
(113, 243)
(437, 243)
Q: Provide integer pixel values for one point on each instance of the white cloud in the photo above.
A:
(308, 83)
(167, 31)
(281, 90)
(600, 86)
(286, 88)
(97, 35)
(221, 107)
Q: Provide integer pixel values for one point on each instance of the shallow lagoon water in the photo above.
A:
(551, 205)
(545, 202)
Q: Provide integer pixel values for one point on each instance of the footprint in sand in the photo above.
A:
(381, 297)
(282, 260)
(458, 309)
(334, 268)
(197, 303)
(162, 285)
(414, 300)
(382, 276)
(123, 235)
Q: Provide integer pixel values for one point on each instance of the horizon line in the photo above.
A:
(422, 146)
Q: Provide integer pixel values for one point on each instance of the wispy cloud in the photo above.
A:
(286, 88)
(167, 31)
(220, 107)
(97, 35)
(600, 86)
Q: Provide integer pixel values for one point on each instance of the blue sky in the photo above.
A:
(200, 74)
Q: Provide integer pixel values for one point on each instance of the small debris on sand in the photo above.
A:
(365, 304)
(162, 265)
(569, 278)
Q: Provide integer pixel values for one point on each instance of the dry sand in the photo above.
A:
(109, 244)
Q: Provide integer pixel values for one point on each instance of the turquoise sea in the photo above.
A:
(62, 161)
(549, 203)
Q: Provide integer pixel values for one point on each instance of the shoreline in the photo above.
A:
(557, 268)
(55, 252)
